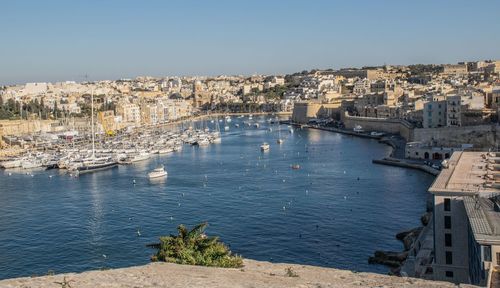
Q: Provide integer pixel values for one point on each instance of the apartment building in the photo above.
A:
(453, 110)
(131, 113)
(434, 114)
(467, 218)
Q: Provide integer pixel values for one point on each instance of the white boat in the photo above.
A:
(15, 163)
(358, 129)
(279, 141)
(237, 125)
(256, 125)
(203, 142)
(158, 172)
(226, 128)
(136, 158)
(264, 146)
(377, 134)
(31, 163)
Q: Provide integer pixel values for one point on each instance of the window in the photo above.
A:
(447, 239)
(449, 258)
(487, 253)
(449, 274)
(447, 204)
(447, 222)
(498, 258)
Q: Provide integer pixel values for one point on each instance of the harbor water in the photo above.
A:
(334, 211)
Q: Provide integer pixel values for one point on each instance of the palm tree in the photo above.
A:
(193, 247)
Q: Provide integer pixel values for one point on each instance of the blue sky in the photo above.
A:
(56, 40)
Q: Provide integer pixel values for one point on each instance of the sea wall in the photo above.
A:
(253, 274)
(393, 126)
(481, 136)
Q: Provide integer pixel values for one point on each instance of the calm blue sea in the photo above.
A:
(334, 211)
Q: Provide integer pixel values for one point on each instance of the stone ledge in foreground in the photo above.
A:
(254, 274)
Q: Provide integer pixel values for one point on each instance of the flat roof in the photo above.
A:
(467, 175)
(483, 219)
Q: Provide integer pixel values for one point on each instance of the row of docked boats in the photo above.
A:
(104, 154)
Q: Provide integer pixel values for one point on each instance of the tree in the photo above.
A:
(195, 248)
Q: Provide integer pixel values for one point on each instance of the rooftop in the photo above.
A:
(469, 174)
(483, 219)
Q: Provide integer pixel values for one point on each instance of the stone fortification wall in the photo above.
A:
(393, 126)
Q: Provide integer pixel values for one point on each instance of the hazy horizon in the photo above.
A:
(55, 40)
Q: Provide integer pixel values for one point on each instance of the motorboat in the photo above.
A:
(264, 146)
(158, 172)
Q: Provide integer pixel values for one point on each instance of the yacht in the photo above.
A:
(137, 157)
(203, 142)
(13, 163)
(158, 172)
(31, 163)
(264, 146)
(96, 165)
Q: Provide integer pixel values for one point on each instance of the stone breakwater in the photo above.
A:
(253, 274)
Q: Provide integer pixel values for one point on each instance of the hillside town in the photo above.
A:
(442, 119)
(424, 96)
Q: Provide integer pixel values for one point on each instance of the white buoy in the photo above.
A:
(133, 181)
(171, 218)
(138, 232)
(10, 174)
(104, 256)
(345, 197)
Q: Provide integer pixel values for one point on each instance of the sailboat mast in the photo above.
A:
(92, 109)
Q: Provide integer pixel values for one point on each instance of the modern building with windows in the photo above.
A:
(467, 218)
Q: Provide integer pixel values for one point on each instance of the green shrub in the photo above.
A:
(195, 248)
